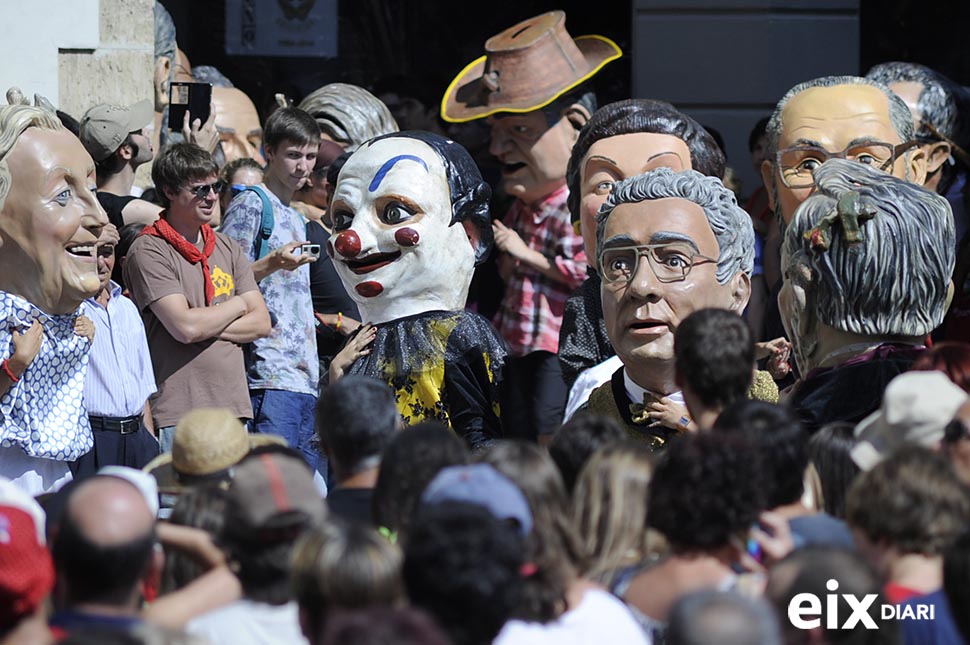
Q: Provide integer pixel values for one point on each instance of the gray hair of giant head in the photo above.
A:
(895, 279)
(164, 34)
(211, 75)
(731, 225)
(349, 114)
(899, 115)
(15, 118)
(936, 102)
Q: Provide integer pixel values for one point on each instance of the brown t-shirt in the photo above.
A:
(209, 373)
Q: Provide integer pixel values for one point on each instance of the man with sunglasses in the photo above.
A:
(196, 293)
(120, 377)
(669, 243)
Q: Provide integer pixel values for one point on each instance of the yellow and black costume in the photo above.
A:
(442, 365)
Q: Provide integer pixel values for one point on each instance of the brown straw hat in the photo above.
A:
(526, 67)
(207, 441)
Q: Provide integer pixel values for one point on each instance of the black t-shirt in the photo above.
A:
(353, 504)
(113, 205)
(327, 292)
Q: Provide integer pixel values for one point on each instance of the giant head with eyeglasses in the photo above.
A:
(843, 117)
(867, 259)
(669, 243)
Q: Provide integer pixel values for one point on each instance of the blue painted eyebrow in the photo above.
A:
(386, 168)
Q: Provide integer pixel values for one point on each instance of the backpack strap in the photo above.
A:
(266, 224)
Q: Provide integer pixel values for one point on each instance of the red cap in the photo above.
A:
(26, 568)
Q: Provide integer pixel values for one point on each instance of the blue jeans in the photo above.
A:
(289, 415)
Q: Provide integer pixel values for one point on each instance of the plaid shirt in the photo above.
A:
(531, 311)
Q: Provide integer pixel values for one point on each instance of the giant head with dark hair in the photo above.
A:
(627, 138)
(866, 255)
(411, 221)
(356, 420)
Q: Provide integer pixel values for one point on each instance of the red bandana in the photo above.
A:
(164, 230)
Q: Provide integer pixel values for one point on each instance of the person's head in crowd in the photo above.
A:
(333, 173)
(576, 441)
(627, 138)
(343, 567)
(46, 260)
(356, 420)
(551, 546)
(724, 617)
(917, 408)
(910, 504)
(669, 244)
(829, 451)
(348, 115)
(186, 177)
(118, 140)
(859, 226)
(781, 444)
(271, 502)
(126, 235)
(532, 87)
(26, 568)
(706, 494)
(382, 626)
(104, 547)
(931, 99)
(106, 253)
(758, 142)
(237, 176)
(609, 510)
(413, 205)
(956, 442)
(956, 582)
(464, 566)
(809, 570)
(291, 139)
(411, 460)
(714, 359)
(201, 507)
(846, 116)
(207, 446)
(317, 190)
(951, 358)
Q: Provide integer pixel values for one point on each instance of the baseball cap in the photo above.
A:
(272, 498)
(26, 568)
(916, 408)
(105, 127)
(484, 486)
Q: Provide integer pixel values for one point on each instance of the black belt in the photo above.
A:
(124, 425)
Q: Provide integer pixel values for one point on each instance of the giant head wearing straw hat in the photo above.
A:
(530, 86)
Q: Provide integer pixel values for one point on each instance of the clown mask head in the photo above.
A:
(410, 216)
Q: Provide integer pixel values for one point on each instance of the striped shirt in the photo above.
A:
(120, 377)
(531, 312)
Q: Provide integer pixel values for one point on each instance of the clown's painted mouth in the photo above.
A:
(372, 262)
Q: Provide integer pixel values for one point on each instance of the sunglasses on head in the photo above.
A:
(203, 191)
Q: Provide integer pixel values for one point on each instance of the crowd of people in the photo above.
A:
(276, 397)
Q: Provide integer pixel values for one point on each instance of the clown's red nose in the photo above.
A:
(347, 244)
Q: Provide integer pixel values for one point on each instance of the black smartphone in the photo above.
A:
(193, 98)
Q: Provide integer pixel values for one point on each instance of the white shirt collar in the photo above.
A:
(635, 392)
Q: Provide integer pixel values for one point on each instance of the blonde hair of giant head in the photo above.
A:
(609, 511)
(15, 118)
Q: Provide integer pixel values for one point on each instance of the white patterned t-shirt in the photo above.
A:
(43, 413)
